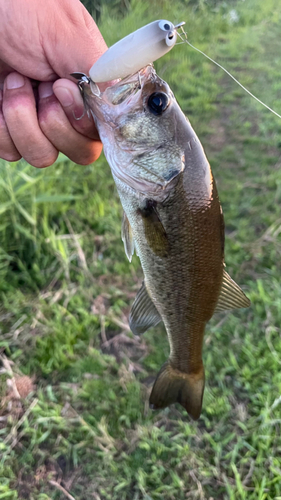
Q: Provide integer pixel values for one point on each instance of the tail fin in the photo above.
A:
(174, 386)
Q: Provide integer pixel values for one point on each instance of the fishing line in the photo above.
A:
(184, 40)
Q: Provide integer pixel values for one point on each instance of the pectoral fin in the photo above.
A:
(127, 237)
(143, 314)
(231, 295)
(154, 230)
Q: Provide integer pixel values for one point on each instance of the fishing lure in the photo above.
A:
(135, 51)
(142, 47)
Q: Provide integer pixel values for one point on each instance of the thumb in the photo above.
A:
(71, 101)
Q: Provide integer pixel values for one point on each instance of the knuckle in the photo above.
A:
(85, 127)
(45, 160)
(96, 150)
(10, 156)
(49, 116)
(8, 151)
(16, 105)
(86, 155)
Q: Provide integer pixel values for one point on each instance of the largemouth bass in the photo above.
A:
(174, 221)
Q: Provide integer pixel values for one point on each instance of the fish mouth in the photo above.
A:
(130, 86)
(120, 97)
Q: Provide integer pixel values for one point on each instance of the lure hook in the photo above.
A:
(81, 76)
(82, 79)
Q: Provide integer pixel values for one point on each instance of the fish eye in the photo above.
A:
(157, 103)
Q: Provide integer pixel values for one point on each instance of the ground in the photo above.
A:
(75, 382)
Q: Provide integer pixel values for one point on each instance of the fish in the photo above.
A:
(172, 219)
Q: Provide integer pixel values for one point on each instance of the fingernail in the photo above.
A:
(64, 96)
(14, 81)
(45, 89)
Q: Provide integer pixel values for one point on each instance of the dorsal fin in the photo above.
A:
(143, 314)
(231, 295)
(127, 237)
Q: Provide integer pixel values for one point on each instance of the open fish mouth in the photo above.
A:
(119, 93)
(130, 86)
(125, 94)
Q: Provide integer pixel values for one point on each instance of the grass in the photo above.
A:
(74, 383)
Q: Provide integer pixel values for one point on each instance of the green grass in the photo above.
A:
(66, 289)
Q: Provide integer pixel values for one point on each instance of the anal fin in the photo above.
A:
(231, 295)
(143, 314)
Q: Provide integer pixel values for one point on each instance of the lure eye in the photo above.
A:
(157, 103)
(166, 25)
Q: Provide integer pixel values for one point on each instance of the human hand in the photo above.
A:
(43, 41)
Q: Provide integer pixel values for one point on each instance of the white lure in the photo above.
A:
(135, 51)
